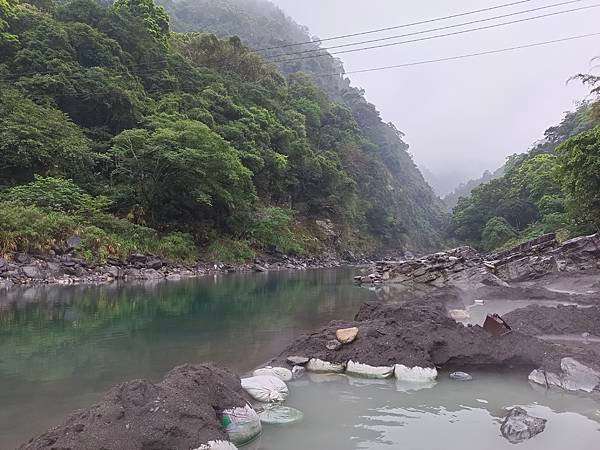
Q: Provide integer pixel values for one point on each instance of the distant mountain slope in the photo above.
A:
(401, 208)
(465, 189)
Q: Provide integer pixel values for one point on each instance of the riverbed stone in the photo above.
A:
(297, 360)
(333, 344)
(346, 335)
(519, 426)
(461, 376)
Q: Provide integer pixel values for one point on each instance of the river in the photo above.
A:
(62, 347)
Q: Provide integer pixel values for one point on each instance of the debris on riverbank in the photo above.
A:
(182, 411)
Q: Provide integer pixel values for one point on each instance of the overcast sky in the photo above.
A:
(466, 116)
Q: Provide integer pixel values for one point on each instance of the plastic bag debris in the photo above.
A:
(364, 370)
(280, 372)
(319, 366)
(242, 425)
(415, 374)
(298, 372)
(266, 388)
(280, 415)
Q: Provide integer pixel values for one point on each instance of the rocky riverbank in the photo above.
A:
(21, 269)
(464, 267)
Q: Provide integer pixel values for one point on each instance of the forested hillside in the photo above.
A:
(401, 201)
(140, 139)
(555, 187)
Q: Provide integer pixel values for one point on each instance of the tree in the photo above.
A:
(497, 232)
(155, 18)
(181, 172)
(579, 172)
(40, 140)
(7, 11)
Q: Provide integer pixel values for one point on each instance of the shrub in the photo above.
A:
(274, 228)
(177, 247)
(58, 194)
(497, 232)
(230, 250)
(30, 229)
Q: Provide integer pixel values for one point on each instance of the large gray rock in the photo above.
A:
(33, 272)
(518, 426)
(573, 376)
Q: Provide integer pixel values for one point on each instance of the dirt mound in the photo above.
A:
(419, 333)
(538, 320)
(181, 412)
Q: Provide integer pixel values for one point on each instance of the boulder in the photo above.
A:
(154, 263)
(518, 426)
(573, 376)
(33, 272)
(346, 335)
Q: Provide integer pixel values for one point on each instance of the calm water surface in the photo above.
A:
(62, 347)
(345, 413)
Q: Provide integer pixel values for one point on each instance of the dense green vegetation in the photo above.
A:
(555, 187)
(137, 138)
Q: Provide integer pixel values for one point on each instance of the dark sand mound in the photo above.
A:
(538, 320)
(419, 333)
(181, 412)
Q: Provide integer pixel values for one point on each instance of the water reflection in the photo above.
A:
(61, 347)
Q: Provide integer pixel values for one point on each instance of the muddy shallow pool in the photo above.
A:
(342, 413)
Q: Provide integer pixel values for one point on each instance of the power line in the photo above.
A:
(378, 69)
(503, 16)
(438, 36)
(379, 30)
(465, 56)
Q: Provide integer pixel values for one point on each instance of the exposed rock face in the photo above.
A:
(179, 412)
(459, 267)
(518, 426)
(463, 266)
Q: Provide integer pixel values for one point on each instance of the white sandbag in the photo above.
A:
(280, 372)
(319, 366)
(415, 374)
(217, 445)
(242, 425)
(265, 388)
(280, 415)
(364, 370)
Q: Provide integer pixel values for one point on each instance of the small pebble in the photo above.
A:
(461, 376)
